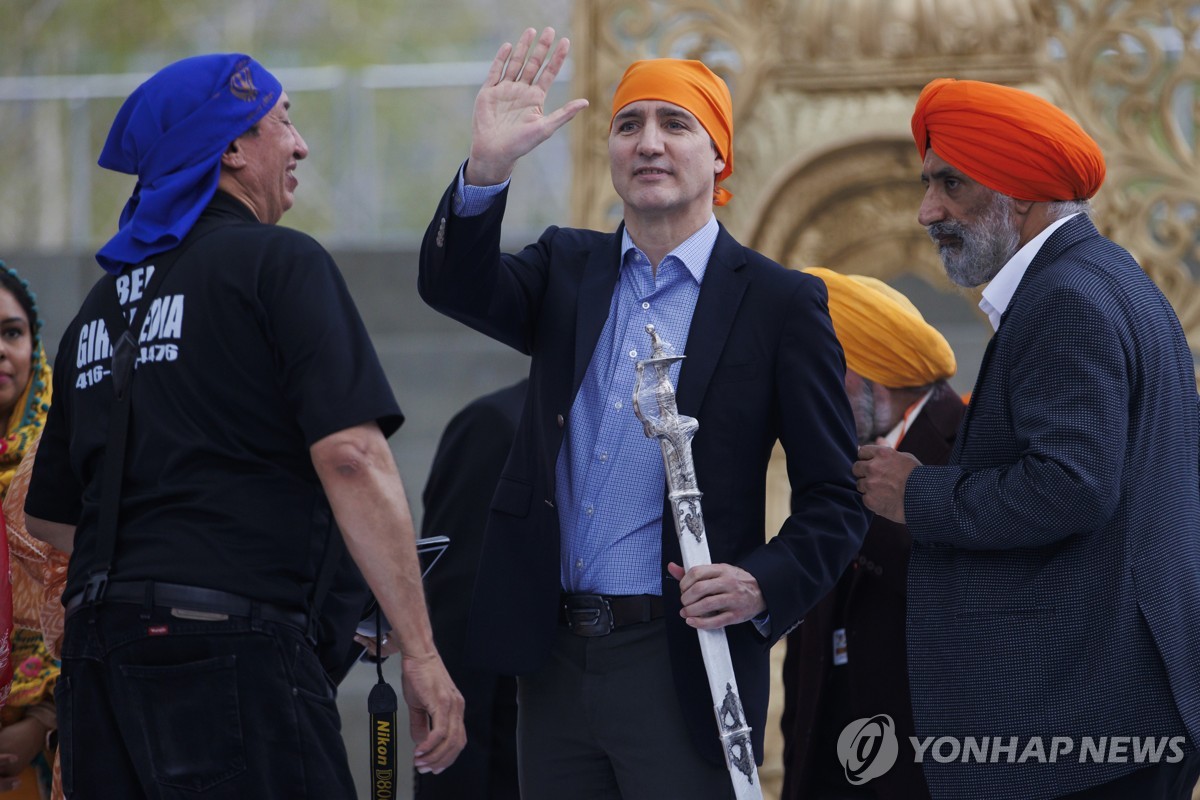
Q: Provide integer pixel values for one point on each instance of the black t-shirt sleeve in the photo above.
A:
(329, 371)
(55, 493)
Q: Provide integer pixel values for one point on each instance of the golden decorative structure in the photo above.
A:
(825, 170)
(1130, 74)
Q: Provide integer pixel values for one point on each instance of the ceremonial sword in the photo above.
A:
(654, 405)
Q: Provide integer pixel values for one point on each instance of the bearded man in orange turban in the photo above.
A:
(579, 591)
(1053, 592)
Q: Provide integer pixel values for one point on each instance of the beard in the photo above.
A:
(983, 246)
(863, 404)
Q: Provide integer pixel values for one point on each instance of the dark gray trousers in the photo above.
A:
(601, 722)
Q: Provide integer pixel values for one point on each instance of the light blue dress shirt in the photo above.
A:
(610, 479)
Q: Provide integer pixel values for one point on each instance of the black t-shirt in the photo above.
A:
(252, 352)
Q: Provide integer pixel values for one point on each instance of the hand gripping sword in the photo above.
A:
(654, 405)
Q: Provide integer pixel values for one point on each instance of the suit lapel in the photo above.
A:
(1071, 233)
(594, 301)
(934, 429)
(725, 283)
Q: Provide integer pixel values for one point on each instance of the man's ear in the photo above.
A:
(719, 161)
(233, 157)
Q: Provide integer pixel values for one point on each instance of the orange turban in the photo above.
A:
(1011, 141)
(884, 336)
(691, 86)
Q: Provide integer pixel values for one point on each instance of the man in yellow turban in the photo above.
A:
(579, 591)
(847, 661)
(894, 358)
(1053, 586)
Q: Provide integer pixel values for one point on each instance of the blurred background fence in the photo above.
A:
(384, 140)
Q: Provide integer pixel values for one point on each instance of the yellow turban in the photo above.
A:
(884, 336)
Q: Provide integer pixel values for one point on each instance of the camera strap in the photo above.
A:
(382, 705)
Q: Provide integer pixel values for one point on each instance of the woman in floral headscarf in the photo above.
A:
(37, 571)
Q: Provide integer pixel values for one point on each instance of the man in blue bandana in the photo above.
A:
(257, 417)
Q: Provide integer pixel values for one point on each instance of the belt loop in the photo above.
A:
(255, 616)
(311, 626)
(147, 601)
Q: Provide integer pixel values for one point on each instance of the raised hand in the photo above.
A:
(509, 118)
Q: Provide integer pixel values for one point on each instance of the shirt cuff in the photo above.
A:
(762, 624)
(471, 201)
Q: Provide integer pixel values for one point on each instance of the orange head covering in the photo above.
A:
(1011, 141)
(691, 86)
(884, 336)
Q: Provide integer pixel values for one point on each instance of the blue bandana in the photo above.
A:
(171, 133)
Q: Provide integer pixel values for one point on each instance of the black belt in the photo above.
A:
(190, 598)
(600, 614)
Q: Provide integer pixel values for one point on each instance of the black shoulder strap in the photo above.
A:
(125, 353)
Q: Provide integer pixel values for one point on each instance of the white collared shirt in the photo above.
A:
(1000, 290)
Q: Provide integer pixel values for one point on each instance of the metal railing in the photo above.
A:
(384, 143)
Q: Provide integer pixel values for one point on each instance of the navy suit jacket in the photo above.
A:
(1054, 583)
(762, 364)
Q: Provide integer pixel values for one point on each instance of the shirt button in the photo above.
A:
(590, 511)
(579, 563)
(559, 419)
(604, 456)
(633, 353)
(618, 405)
(645, 305)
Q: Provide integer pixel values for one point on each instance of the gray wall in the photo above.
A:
(437, 365)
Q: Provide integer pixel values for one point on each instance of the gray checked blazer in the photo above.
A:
(1054, 585)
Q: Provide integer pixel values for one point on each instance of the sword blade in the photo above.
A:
(714, 645)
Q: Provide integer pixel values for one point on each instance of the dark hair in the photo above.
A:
(10, 280)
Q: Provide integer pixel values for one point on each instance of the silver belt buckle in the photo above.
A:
(589, 615)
